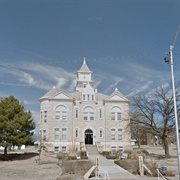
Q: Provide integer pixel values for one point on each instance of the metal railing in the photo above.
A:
(160, 175)
(106, 175)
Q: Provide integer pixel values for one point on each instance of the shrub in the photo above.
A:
(83, 153)
(61, 155)
(111, 157)
(84, 157)
(106, 153)
(72, 158)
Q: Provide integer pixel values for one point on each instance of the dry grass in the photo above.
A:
(132, 164)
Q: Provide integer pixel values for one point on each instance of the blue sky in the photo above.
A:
(43, 43)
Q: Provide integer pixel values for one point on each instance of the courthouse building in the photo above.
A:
(70, 121)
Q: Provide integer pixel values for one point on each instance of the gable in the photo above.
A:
(62, 95)
(116, 98)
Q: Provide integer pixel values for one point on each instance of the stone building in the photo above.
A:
(70, 121)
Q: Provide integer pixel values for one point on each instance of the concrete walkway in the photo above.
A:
(108, 167)
(114, 171)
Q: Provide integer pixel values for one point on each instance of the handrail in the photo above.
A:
(106, 175)
(159, 173)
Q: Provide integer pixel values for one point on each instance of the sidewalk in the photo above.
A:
(108, 167)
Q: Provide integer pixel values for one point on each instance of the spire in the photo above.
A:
(84, 67)
(84, 61)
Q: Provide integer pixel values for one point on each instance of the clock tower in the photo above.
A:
(83, 77)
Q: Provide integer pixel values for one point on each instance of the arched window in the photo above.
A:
(77, 112)
(56, 134)
(100, 113)
(76, 132)
(64, 133)
(115, 113)
(120, 134)
(100, 133)
(88, 113)
(113, 130)
(61, 113)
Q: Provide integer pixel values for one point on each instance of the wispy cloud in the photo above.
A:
(40, 76)
(143, 79)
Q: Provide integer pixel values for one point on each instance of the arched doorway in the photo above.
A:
(88, 136)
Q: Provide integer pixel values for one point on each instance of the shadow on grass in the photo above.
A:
(16, 156)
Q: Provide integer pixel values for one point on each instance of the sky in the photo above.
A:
(43, 43)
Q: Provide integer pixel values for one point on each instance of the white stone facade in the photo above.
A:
(69, 121)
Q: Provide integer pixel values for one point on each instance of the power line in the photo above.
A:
(80, 60)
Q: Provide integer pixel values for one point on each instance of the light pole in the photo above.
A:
(167, 60)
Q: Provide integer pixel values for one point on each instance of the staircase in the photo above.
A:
(92, 150)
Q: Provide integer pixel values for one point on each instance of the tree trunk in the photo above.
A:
(139, 144)
(5, 151)
(139, 141)
(166, 147)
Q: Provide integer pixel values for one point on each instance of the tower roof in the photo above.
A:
(84, 67)
(50, 93)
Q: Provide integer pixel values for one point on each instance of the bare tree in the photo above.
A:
(137, 129)
(156, 113)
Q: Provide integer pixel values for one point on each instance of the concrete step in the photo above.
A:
(91, 149)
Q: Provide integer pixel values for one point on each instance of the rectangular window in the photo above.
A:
(56, 134)
(85, 116)
(112, 136)
(112, 115)
(56, 148)
(88, 97)
(100, 133)
(64, 133)
(119, 116)
(64, 114)
(120, 148)
(45, 116)
(44, 135)
(83, 97)
(92, 97)
(91, 115)
(100, 113)
(57, 115)
(76, 132)
(119, 136)
(113, 148)
(76, 113)
(64, 148)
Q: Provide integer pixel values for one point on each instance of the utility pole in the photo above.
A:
(167, 60)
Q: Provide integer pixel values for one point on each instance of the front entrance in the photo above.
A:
(88, 136)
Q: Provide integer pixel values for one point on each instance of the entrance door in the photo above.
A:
(88, 136)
